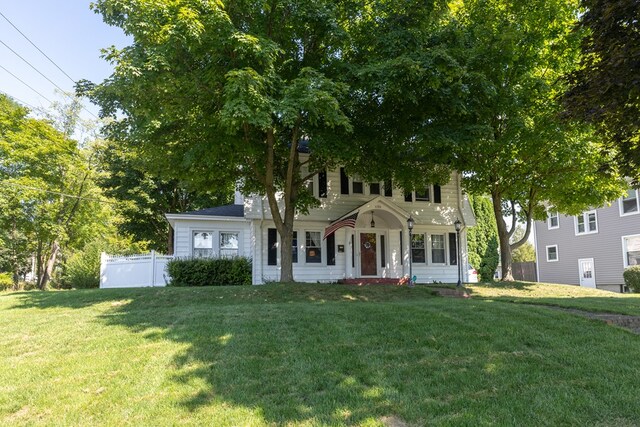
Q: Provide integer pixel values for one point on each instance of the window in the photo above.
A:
(552, 253)
(228, 244)
(418, 248)
(202, 244)
(631, 250)
(587, 223)
(629, 204)
(553, 221)
(313, 247)
(374, 188)
(437, 249)
(423, 195)
(358, 187)
(388, 188)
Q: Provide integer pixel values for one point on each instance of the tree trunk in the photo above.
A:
(51, 262)
(39, 262)
(170, 241)
(503, 238)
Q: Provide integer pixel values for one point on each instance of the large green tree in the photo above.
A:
(212, 92)
(48, 197)
(143, 198)
(514, 146)
(605, 88)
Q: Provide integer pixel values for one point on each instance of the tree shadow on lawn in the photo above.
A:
(424, 360)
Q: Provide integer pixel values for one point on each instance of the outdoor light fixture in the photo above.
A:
(410, 224)
(458, 226)
(373, 223)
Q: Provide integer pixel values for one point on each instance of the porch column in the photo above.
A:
(406, 251)
(348, 253)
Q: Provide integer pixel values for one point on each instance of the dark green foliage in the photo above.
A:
(210, 271)
(605, 89)
(632, 278)
(482, 239)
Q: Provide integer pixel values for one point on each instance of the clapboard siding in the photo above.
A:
(336, 204)
(605, 247)
(184, 231)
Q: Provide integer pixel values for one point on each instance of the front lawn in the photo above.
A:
(309, 355)
(559, 295)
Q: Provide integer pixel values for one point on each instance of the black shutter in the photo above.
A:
(353, 252)
(344, 182)
(388, 188)
(401, 248)
(331, 249)
(322, 180)
(408, 196)
(272, 246)
(383, 257)
(453, 249)
(437, 197)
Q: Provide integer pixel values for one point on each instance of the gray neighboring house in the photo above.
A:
(591, 249)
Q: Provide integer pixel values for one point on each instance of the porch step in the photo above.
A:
(369, 281)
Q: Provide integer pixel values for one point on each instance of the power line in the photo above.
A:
(30, 65)
(20, 101)
(39, 72)
(26, 84)
(12, 184)
(39, 50)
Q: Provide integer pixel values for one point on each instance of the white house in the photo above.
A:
(376, 248)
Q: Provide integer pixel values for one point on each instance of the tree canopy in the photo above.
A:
(226, 91)
(605, 88)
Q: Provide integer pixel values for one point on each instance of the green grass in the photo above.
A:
(559, 295)
(310, 355)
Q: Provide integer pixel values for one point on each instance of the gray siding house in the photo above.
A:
(591, 249)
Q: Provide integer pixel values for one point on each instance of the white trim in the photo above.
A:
(593, 271)
(625, 263)
(585, 216)
(444, 238)
(549, 216)
(637, 211)
(547, 252)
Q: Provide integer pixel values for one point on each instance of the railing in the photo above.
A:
(133, 271)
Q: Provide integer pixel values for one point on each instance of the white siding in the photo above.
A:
(184, 228)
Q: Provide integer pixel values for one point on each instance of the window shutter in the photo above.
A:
(322, 180)
(453, 249)
(344, 182)
(437, 196)
(388, 188)
(331, 249)
(401, 248)
(272, 246)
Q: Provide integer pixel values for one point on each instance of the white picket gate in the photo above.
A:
(133, 271)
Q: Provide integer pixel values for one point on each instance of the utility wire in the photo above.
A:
(30, 65)
(26, 84)
(39, 50)
(11, 184)
(39, 72)
(20, 101)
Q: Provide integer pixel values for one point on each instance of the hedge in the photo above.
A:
(210, 271)
(632, 278)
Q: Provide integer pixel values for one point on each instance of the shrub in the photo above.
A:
(210, 271)
(632, 278)
(6, 281)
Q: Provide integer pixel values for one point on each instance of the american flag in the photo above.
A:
(349, 221)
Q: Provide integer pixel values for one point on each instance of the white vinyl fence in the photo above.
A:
(133, 271)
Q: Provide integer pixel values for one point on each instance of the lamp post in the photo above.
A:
(410, 223)
(458, 226)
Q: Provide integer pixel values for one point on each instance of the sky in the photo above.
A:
(69, 33)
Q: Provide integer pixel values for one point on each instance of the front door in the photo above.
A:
(587, 273)
(368, 255)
